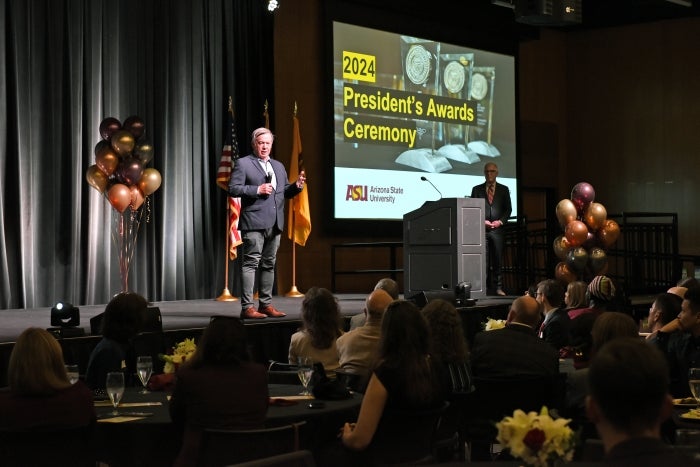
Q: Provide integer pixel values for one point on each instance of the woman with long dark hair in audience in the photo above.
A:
(405, 378)
(219, 387)
(321, 320)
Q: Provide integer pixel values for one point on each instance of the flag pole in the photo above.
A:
(226, 294)
(294, 292)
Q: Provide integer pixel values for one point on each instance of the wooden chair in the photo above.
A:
(221, 447)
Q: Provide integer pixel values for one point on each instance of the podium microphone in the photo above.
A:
(431, 183)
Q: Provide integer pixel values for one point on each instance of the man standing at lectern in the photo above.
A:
(497, 210)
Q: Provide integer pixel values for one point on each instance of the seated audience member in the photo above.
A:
(405, 378)
(580, 341)
(575, 298)
(601, 296)
(448, 344)
(666, 308)
(679, 340)
(678, 291)
(555, 327)
(357, 349)
(606, 327)
(321, 321)
(39, 395)
(386, 284)
(688, 282)
(629, 401)
(219, 387)
(515, 350)
(121, 322)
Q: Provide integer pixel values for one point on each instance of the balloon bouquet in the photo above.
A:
(119, 174)
(588, 233)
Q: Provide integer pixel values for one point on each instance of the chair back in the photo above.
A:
(282, 373)
(406, 436)
(48, 447)
(221, 447)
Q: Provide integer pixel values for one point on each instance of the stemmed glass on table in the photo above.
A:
(115, 388)
(305, 368)
(144, 368)
(73, 373)
(694, 382)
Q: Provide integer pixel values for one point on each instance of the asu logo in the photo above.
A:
(356, 193)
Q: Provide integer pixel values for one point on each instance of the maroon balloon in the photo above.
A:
(108, 126)
(135, 126)
(130, 170)
(582, 195)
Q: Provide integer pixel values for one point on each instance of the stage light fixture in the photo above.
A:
(65, 315)
(272, 5)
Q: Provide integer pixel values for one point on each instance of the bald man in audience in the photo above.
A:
(357, 349)
(515, 350)
(387, 284)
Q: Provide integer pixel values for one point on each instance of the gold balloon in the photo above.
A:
(566, 212)
(576, 259)
(595, 216)
(564, 273)
(150, 181)
(119, 196)
(597, 261)
(123, 142)
(576, 233)
(608, 233)
(144, 152)
(96, 178)
(105, 158)
(561, 247)
(136, 197)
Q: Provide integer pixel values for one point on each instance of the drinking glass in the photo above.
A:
(115, 388)
(144, 368)
(73, 373)
(694, 382)
(305, 368)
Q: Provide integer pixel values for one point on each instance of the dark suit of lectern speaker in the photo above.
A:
(443, 245)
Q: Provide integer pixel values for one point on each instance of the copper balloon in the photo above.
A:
(150, 181)
(123, 142)
(105, 158)
(582, 195)
(144, 152)
(108, 126)
(608, 233)
(566, 212)
(564, 273)
(135, 126)
(576, 233)
(561, 247)
(136, 197)
(597, 261)
(595, 216)
(96, 178)
(577, 259)
(119, 196)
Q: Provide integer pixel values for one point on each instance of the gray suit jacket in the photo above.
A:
(259, 212)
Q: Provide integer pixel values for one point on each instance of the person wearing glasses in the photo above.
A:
(497, 209)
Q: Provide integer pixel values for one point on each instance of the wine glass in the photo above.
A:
(305, 368)
(144, 368)
(694, 382)
(73, 373)
(115, 388)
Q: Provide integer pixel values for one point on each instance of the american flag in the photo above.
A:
(229, 155)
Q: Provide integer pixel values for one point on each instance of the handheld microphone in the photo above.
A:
(431, 183)
(268, 177)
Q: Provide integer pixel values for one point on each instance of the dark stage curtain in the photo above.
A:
(68, 64)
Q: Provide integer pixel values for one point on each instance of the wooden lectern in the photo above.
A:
(443, 245)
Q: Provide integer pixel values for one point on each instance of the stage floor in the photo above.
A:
(186, 314)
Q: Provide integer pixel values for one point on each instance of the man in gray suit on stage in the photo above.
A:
(261, 183)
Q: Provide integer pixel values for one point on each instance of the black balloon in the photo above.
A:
(108, 126)
(582, 195)
(130, 170)
(597, 260)
(135, 126)
(576, 259)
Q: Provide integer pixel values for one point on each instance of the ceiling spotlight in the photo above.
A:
(272, 5)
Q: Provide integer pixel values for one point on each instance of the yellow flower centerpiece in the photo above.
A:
(536, 438)
(492, 324)
(182, 352)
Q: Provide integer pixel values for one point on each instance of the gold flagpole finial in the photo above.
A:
(265, 105)
(295, 108)
(230, 104)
